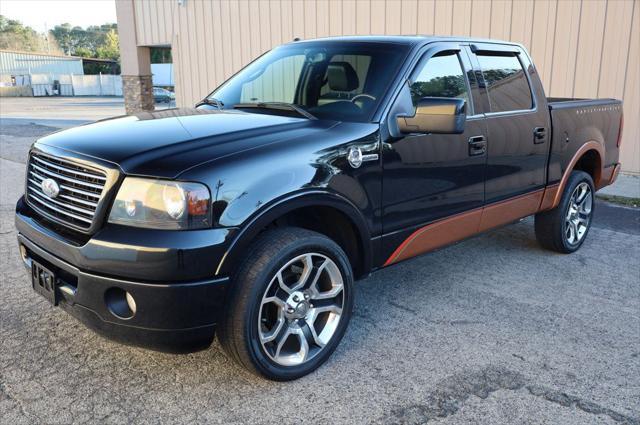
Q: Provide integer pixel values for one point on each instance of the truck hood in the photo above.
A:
(165, 143)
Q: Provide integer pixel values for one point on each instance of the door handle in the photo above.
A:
(539, 134)
(477, 145)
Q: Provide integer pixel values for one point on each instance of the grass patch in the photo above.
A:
(620, 200)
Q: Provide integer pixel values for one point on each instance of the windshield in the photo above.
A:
(342, 81)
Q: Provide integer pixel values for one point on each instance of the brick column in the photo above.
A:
(138, 93)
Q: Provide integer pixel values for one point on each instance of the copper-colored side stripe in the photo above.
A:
(464, 225)
(610, 178)
(549, 196)
(458, 227)
(504, 212)
(614, 174)
(437, 234)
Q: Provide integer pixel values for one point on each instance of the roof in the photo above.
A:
(51, 55)
(22, 63)
(403, 39)
(57, 56)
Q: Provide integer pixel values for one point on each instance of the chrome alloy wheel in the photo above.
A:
(578, 214)
(301, 309)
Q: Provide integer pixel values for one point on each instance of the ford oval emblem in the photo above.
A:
(354, 156)
(50, 188)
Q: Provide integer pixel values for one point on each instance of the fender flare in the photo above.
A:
(553, 193)
(270, 212)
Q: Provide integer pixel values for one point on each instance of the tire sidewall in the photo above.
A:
(259, 358)
(576, 178)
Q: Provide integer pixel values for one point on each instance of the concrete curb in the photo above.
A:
(626, 186)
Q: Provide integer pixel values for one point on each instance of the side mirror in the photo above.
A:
(439, 115)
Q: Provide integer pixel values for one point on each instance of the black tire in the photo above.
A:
(551, 226)
(239, 332)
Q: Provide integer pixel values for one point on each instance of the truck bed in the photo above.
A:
(576, 122)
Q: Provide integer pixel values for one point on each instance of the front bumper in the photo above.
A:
(178, 298)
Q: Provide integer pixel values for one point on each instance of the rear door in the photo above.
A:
(518, 126)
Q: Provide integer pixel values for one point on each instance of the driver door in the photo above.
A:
(433, 184)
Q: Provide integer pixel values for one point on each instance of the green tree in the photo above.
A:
(110, 48)
(15, 36)
(88, 42)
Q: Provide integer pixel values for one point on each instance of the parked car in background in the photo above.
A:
(320, 162)
(161, 95)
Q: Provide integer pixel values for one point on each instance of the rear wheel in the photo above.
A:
(564, 228)
(289, 304)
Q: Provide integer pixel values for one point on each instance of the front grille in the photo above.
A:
(80, 190)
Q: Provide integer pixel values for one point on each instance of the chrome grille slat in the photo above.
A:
(77, 217)
(81, 201)
(68, 170)
(68, 188)
(62, 204)
(66, 178)
(80, 192)
(71, 198)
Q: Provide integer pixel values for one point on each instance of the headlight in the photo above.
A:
(161, 204)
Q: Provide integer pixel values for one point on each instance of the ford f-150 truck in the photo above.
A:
(323, 160)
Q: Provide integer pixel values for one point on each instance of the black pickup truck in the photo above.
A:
(320, 162)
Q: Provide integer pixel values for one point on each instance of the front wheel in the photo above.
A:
(289, 304)
(564, 228)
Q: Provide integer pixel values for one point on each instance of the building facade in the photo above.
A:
(582, 48)
(25, 63)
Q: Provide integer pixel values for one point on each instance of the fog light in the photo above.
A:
(131, 302)
(120, 303)
(23, 253)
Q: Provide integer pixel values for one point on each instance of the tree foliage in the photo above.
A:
(93, 41)
(15, 36)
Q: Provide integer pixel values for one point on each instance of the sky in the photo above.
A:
(41, 14)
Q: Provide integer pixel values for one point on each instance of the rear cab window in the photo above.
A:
(506, 82)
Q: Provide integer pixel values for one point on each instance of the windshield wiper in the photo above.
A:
(211, 101)
(277, 105)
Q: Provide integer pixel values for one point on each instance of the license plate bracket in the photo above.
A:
(43, 281)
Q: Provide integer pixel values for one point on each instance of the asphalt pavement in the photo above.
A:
(493, 330)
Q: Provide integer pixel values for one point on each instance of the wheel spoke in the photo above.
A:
(295, 358)
(574, 232)
(281, 283)
(310, 326)
(276, 300)
(336, 283)
(586, 204)
(281, 339)
(569, 231)
(317, 272)
(329, 308)
(306, 272)
(581, 192)
(273, 333)
(304, 346)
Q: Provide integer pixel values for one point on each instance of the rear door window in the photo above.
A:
(506, 83)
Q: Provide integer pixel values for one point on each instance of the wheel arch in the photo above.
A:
(588, 158)
(355, 239)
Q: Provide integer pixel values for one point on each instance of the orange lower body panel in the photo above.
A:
(452, 229)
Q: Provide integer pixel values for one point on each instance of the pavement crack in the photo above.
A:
(402, 307)
(568, 400)
(452, 392)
